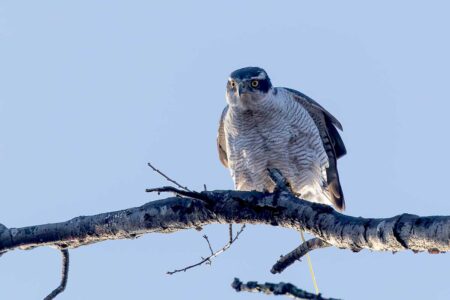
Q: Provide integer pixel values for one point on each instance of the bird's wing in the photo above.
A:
(332, 141)
(221, 143)
(318, 113)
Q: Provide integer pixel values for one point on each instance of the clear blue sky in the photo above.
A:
(90, 91)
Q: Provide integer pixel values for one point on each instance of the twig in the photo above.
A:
(285, 289)
(297, 253)
(209, 244)
(168, 178)
(208, 259)
(64, 276)
(178, 192)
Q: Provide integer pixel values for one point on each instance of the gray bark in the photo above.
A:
(278, 289)
(297, 253)
(211, 207)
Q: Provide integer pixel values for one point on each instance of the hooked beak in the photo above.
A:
(242, 89)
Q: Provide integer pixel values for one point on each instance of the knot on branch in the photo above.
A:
(403, 224)
(2, 228)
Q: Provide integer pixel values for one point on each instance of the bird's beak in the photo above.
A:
(242, 89)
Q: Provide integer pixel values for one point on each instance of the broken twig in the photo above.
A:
(297, 253)
(285, 289)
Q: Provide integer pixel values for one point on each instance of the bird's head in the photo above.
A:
(248, 86)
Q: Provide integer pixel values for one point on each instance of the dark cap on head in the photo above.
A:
(248, 73)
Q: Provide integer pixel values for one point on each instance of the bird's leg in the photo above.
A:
(280, 182)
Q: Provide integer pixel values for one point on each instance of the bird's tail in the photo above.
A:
(334, 186)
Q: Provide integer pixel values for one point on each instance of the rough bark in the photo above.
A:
(278, 289)
(297, 253)
(278, 209)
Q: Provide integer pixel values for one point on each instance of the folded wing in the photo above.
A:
(221, 143)
(332, 141)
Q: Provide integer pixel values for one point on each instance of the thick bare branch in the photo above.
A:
(297, 253)
(282, 289)
(278, 209)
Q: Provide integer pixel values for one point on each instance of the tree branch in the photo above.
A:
(286, 289)
(168, 178)
(297, 253)
(64, 276)
(207, 260)
(278, 209)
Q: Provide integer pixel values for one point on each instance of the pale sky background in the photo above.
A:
(90, 91)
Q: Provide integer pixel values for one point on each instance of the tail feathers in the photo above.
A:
(334, 185)
(336, 194)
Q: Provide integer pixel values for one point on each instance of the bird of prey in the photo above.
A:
(266, 127)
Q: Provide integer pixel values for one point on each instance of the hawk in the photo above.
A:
(266, 127)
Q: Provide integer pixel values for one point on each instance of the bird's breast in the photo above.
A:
(258, 140)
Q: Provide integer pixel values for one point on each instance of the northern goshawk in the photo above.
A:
(266, 127)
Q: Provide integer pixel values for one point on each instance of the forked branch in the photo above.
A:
(207, 260)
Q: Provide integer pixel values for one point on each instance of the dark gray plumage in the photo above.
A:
(263, 127)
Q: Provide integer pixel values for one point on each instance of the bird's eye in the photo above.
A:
(232, 84)
(255, 83)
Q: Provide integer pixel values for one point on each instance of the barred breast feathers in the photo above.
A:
(280, 133)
